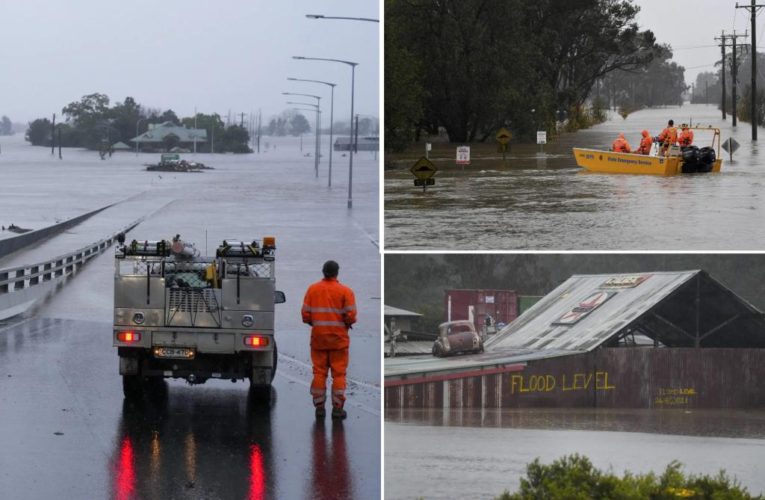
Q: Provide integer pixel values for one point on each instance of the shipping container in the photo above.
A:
(475, 305)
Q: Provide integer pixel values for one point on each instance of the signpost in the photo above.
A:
(503, 138)
(541, 139)
(424, 170)
(730, 146)
(463, 156)
(428, 147)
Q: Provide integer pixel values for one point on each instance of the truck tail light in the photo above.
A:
(129, 337)
(256, 341)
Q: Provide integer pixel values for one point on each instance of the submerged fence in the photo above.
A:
(21, 287)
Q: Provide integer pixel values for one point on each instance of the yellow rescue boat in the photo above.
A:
(686, 160)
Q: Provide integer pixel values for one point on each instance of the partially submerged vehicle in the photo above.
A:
(180, 315)
(676, 160)
(172, 162)
(455, 337)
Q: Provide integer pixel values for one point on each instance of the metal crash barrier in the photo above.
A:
(21, 287)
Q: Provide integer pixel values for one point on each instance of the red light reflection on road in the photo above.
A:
(257, 474)
(125, 474)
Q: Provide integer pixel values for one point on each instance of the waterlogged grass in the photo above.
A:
(573, 477)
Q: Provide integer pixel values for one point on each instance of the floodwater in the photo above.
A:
(545, 202)
(442, 454)
(66, 430)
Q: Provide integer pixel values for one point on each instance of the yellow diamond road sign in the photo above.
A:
(423, 169)
(504, 136)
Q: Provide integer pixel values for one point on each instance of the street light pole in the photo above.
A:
(318, 110)
(136, 134)
(350, 137)
(331, 119)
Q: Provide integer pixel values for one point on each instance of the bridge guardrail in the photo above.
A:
(21, 287)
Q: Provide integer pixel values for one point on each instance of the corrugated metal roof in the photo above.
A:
(677, 309)
(674, 309)
(553, 323)
(395, 311)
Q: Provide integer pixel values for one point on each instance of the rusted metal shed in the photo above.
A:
(646, 340)
(476, 304)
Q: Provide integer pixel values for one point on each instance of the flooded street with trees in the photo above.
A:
(536, 200)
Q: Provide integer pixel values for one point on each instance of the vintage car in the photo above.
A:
(456, 337)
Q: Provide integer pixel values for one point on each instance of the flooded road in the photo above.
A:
(65, 430)
(479, 454)
(546, 202)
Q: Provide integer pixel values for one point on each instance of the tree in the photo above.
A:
(214, 126)
(236, 139)
(459, 63)
(6, 126)
(299, 125)
(124, 117)
(88, 116)
(38, 133)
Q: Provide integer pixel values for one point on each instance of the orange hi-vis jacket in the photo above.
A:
(621, 145)
(645, 143)
(668, 136)
(330, 308)
(686, 137)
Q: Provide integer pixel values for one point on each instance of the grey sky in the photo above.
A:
(691, 26)
(178, 54)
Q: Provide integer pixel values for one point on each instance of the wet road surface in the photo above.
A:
(545, 202)
(479, 454)
(67, 433)
(64, 430)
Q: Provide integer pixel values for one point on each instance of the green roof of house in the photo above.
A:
(159, 131)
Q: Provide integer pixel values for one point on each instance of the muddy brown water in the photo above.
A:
(466, 453)
(543, 201)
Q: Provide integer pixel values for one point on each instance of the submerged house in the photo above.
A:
(645, 340)
(168, 136)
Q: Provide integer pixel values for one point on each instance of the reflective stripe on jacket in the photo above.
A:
(330, 308)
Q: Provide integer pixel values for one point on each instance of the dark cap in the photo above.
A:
(330, 269)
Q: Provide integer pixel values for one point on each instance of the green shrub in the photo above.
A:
(574, 477)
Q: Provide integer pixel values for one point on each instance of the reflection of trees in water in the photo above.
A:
(331, 476)
(217, 445)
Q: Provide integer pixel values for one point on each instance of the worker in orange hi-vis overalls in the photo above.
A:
(330, 308)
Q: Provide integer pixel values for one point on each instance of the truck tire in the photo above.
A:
(132, 386)
(276, 357)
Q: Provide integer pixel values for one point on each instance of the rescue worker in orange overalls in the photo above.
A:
(330, 309)
(668, 137)
(621, 145)
(686, 136)
(645, 143)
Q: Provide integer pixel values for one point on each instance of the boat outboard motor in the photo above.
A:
(690, 155)
(707, 158)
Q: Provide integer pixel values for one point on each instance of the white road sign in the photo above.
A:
(463, 155)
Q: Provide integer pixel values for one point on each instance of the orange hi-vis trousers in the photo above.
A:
(335, 360)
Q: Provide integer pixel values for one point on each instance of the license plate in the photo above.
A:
(174, 352)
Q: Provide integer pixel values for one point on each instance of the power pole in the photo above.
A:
(53, 135)
(734, 77)
(723, 38)
(753, 8)
(241, 123)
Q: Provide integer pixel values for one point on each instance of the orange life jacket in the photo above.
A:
(330, 308)
(686, 137)
(668, 136)
(621, 145)
(645, 145)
